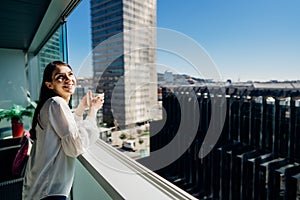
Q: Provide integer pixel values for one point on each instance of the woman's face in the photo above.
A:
(63, 82)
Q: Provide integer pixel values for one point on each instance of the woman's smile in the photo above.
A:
(63, 82)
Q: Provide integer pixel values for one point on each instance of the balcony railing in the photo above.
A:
(106, 173)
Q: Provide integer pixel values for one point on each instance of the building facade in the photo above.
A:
(124, 57)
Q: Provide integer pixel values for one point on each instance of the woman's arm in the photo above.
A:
(75, 137)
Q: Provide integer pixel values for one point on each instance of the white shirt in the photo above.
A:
(63, 136)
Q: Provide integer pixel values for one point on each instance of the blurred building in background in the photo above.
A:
(124, 58)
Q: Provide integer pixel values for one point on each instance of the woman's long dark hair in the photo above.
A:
(45, 93)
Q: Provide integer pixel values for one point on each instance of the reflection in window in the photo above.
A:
(54, 49)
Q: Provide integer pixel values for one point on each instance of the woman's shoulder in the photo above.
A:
(56, 101)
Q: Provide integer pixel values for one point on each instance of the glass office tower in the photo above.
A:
(124, 57)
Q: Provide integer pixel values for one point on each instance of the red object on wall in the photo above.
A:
(17, 127)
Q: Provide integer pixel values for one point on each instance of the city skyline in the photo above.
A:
(255, 40)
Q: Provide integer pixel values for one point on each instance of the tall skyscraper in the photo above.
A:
(124, 59)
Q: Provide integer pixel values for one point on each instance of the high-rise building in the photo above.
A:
(124, 57)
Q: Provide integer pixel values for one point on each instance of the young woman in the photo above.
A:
(60, 135)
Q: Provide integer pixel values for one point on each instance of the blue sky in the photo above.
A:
(247, 40)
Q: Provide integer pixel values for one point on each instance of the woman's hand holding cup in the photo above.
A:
(97, 100)
(92, 102)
